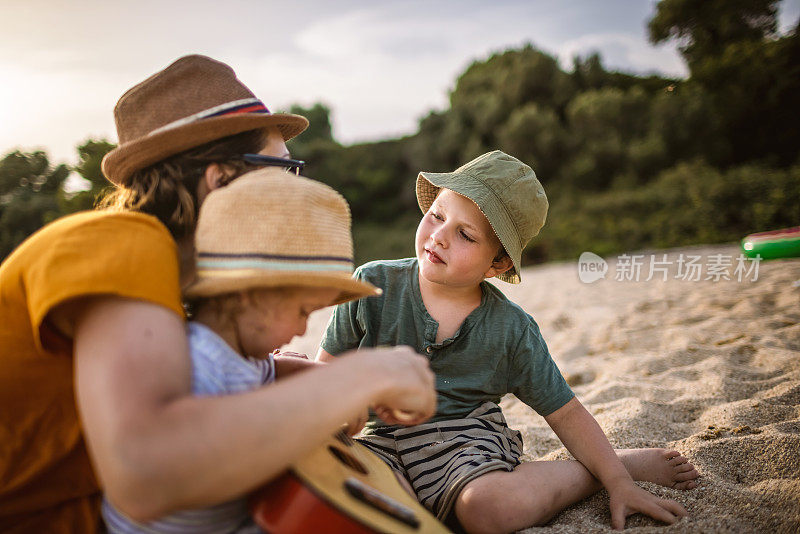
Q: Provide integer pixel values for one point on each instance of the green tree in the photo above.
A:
(705, 28)
(751, 73)
(489, 92)
(90, 157)
(537, 137)
(318, 135)
(603, 124)
(29, 188)
(683, 116)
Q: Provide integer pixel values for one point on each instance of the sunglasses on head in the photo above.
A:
(294, 166)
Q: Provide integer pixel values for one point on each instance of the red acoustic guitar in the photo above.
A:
(342, 487)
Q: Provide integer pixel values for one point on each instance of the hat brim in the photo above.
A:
(428, 186)
(211, 284)
(119, 164)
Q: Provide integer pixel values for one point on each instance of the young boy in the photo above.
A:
(464, 464)
(256, 286)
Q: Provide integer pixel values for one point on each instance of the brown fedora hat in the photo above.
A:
(194, 101)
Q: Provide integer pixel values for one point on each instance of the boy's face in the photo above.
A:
(270, 318)
(455, 244)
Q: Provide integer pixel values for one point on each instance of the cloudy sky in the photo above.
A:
(380, 64)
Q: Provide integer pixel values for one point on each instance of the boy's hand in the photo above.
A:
(628, 499)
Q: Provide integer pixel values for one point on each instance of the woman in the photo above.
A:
(91, 325)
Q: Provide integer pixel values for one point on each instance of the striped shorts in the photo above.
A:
(440, 458)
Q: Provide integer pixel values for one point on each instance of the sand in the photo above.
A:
(709, 367)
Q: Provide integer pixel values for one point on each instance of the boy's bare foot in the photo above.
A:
(664, 467)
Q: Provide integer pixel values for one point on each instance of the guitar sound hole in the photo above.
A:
(348, 459)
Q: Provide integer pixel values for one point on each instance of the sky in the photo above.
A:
(380, 65)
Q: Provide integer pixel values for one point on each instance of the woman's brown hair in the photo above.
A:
(168, 189)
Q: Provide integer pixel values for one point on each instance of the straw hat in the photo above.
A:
(505, 190)
(193, 101)
(272, 229)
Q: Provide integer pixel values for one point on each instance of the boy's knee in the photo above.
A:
(489, 508)
(480, 510)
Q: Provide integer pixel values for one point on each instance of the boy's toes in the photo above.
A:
(675, 458)
(689, 484)
(689, 475)
(683, 468)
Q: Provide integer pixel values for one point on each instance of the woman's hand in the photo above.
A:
(355, 424)
(397, 417)
(407, 395)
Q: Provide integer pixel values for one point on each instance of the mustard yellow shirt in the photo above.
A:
(46, 480)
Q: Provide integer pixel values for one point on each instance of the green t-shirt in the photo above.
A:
(497, 350)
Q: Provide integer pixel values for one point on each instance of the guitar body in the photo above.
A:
(341, 487)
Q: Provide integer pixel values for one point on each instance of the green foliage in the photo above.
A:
(756, 91)
(393, 238)
(590, 129)
(319, 131)
(485, 104)
(90, 156)
(29, 188)
(751, 73)
(706, 27)
(689, 204)
(537, 136)
(603, 122)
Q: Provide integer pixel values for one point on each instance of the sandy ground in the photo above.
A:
(710, 367)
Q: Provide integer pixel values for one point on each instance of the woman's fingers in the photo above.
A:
(355, 425)
(413, 394)
(405, 383)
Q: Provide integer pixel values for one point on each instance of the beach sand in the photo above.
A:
(708, 367)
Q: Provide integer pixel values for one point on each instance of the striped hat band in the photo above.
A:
(244, 105)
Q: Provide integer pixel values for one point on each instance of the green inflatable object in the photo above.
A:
(773, 245)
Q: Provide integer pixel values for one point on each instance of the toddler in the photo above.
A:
(256, 285)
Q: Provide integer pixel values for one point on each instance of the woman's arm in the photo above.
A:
(157, 448)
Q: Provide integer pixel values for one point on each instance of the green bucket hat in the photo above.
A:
(505, 190)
